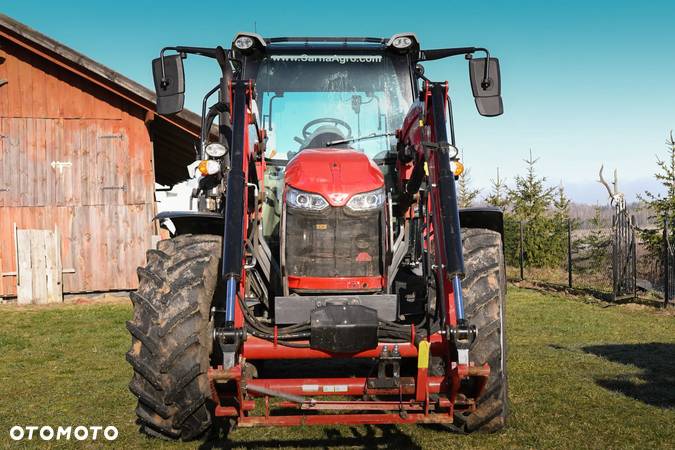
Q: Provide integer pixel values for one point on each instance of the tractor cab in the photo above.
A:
(330, 112)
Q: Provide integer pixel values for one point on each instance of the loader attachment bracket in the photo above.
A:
(463, 335)
(229, 341)
(388, 370)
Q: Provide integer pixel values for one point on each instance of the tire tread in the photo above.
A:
(484, 291)
(170, 337)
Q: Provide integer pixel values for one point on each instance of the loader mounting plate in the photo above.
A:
(343, 328)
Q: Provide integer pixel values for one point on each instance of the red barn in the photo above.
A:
(80, 152)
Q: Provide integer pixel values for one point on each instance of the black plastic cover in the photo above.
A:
(170, 90)
(192, 222)
(333, 243)
(298, 308)
(488, 98)
(482, 217)
(343, 328)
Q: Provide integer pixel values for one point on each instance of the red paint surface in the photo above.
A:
(335, 174)
(350, 386)
(346, 419)
(363, 257)
(257, 348)
(335, 283)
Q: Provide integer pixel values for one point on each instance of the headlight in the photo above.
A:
(305, 200)
(457, 168)
(367, 201)
(215, 150)
(402, 42)
(209, 167)
(243, 42)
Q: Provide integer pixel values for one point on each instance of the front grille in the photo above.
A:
(333, 243)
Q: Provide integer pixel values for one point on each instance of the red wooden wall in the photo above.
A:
(102, 198)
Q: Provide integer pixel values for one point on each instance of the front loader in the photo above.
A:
(327, 276)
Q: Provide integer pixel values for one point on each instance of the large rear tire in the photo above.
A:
(171, 337)
(484, 290)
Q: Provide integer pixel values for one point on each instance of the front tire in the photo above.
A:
(171, 337)
(484, 290)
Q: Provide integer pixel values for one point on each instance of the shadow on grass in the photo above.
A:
(366, 436)
(654, 385)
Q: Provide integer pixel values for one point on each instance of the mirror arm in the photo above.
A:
(209, 52)
(224, 61)
(430, 55)
(486, 72)
(163, 83)
(222, 58)
(201, 51)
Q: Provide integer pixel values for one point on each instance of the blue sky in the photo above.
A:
(584, 82)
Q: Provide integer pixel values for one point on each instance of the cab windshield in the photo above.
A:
(316, 101)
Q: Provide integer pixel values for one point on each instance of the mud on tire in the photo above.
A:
(171, 337)
(484, 290)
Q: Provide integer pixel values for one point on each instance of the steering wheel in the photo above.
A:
(331, 120)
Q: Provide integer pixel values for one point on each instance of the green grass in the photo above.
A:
(582, 375)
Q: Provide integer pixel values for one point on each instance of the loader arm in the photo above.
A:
(426, 150)
(242, 174)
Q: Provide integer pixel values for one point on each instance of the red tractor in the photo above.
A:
(328, 276)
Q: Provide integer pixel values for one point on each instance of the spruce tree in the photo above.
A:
(467, 195)
(530, 197)
(661, 206)
(499, 198)
(498, 195)
(531, 201)
(560, 218)
(561, 203)
(593, 249)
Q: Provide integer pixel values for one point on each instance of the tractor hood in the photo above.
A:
(336, 174)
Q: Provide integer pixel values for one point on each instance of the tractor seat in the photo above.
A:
(322, 136)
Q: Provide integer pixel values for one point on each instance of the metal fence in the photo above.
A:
(609, 262)
(579, 266)
(624, 255)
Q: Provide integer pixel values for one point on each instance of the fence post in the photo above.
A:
(666, 264)
(634, 255)
(615, 253)
(569, 253)
(522, 252)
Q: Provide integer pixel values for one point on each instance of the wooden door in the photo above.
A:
(39, 270)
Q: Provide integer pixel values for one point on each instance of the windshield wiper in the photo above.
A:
(363, 138)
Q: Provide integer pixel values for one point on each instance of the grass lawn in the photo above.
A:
(582, 375)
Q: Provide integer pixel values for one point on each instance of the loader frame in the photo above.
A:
(426, 150)
(297, 392)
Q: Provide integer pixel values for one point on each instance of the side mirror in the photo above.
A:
(487, 94)
(169, 84)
